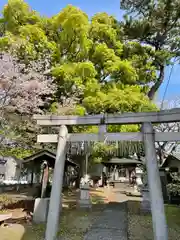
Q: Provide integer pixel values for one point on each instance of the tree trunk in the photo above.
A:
(157, 84)
(44, 181)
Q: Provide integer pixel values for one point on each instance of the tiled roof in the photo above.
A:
(176, 155)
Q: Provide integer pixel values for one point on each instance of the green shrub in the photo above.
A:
(174, 187)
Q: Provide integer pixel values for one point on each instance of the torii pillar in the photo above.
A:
(57, 184)
(156, 197)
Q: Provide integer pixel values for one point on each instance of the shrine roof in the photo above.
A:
(171, 157)
(46, 155)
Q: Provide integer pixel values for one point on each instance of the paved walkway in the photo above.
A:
(111, 224)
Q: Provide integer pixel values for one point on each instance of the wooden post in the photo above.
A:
(44, 180)
(32, 176)
(19, 167)
(86, 167)
(157, 203)
(87, 155)
(57, 184)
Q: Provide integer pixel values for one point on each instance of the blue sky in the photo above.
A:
(50, 7)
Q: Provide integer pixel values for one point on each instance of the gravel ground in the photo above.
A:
(111, 224)
(140, 226)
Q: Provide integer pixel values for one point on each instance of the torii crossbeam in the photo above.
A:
(147, 135)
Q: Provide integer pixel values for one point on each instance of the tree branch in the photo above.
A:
(157, 84)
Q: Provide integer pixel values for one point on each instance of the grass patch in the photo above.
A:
(98, 196)
(95, 199)
(140, 225)
(173, 214)
(6, 200)
(35, 232)
(73, 225)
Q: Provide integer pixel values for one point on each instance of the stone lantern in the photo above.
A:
(85, 201)
(139, 183)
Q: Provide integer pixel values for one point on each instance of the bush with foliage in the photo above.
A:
(102, 151)
(174, 186)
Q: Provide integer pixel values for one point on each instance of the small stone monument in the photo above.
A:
(139, 173)
(145, 204)
(41, 208)
(84, 201)
(138, 185)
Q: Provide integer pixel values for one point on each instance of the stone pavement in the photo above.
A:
(111, 224)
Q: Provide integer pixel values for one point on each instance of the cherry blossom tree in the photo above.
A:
(24, 89)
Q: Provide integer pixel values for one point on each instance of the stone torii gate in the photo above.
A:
(147, 135)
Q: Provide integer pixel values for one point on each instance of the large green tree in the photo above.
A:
(155, 24)
(94, 67)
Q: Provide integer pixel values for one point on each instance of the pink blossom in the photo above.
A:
(22, 87)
